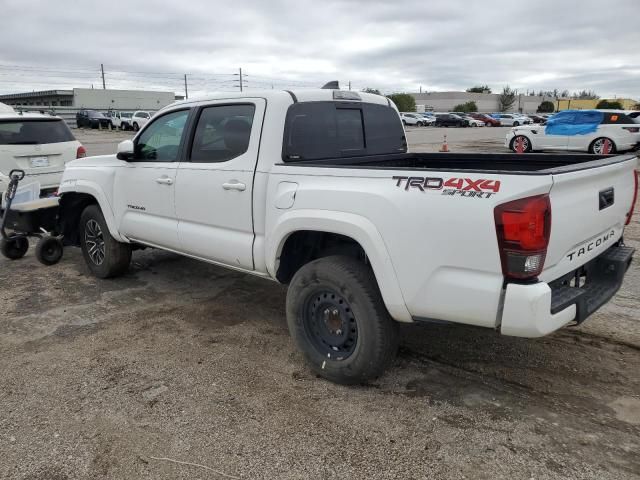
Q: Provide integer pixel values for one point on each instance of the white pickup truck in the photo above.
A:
(316, 189)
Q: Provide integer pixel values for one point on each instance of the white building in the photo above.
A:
(91, 98)
(486, 102)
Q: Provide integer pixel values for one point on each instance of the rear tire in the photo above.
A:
(338, 320)
(49, 250)
(516, 124)
(14, 248)
(136, 127)
(104, 255)
(598, 145)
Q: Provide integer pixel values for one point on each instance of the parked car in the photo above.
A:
(120, 120)
(590, 131)
(92, 119)
(325, 199)
(139, 119)
(526, 119)
(473, 122)
(413, 119)
(428, 118)
(510, 120)
(450, 120)
(488, 120)
(40, 145)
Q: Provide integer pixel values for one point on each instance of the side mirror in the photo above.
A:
(125, 150)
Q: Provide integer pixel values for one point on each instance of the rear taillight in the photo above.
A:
(632, 129)
(81, 152)
(523, 228)
(633, 198)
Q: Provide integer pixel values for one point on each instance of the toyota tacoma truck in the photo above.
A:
(316, 189)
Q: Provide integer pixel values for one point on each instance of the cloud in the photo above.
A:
(393, 46)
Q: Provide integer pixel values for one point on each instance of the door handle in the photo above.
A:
(241, 187)
(164, 181)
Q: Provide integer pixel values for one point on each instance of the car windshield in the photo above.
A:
(34, 132)
(94, 114)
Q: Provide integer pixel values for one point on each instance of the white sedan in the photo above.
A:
(590, 131)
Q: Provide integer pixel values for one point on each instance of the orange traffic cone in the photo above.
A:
(445, 147)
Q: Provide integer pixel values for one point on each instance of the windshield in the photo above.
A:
(126, 115)
(94, 114)
(34, 132)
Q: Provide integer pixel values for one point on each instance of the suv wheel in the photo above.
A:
(103, 254)
(135, 126)
(516, 124)
(602, 146)
(338, 320)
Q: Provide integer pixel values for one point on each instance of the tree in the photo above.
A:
(546, 107)
(404, 102)
(564, 93)
(479, 89)
(609, 105)
(375, 91)
(466, 107)
(585, 95)
(507, 99)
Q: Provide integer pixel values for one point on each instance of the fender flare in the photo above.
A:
(360, 229)
(93, 189)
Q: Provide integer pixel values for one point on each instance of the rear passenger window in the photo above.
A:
(616, 118)
(223, 133)
(318, 130)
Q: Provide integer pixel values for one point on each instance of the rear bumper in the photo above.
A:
(538, 309)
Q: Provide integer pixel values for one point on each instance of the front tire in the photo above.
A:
(103, 254)
(525, 142)
(516, 124)
(338, 320)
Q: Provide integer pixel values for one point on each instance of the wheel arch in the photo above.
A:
(302, 236)
(73, 203)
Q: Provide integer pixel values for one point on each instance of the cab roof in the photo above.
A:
(300, 95)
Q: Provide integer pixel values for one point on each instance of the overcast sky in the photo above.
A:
(391, 45)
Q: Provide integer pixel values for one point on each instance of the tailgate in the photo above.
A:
(588, 212)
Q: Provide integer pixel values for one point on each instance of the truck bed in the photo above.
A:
(511, 163)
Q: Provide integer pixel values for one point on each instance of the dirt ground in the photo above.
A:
(191, 362)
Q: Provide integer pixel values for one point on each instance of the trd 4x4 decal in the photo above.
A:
(464, 187)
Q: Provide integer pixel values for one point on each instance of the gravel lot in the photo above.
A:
(187, 361)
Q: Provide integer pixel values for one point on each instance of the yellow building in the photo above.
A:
(576, 104)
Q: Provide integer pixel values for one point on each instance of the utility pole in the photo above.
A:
(104, 86)
(240, 79)
(186, 91)
(349, 84)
